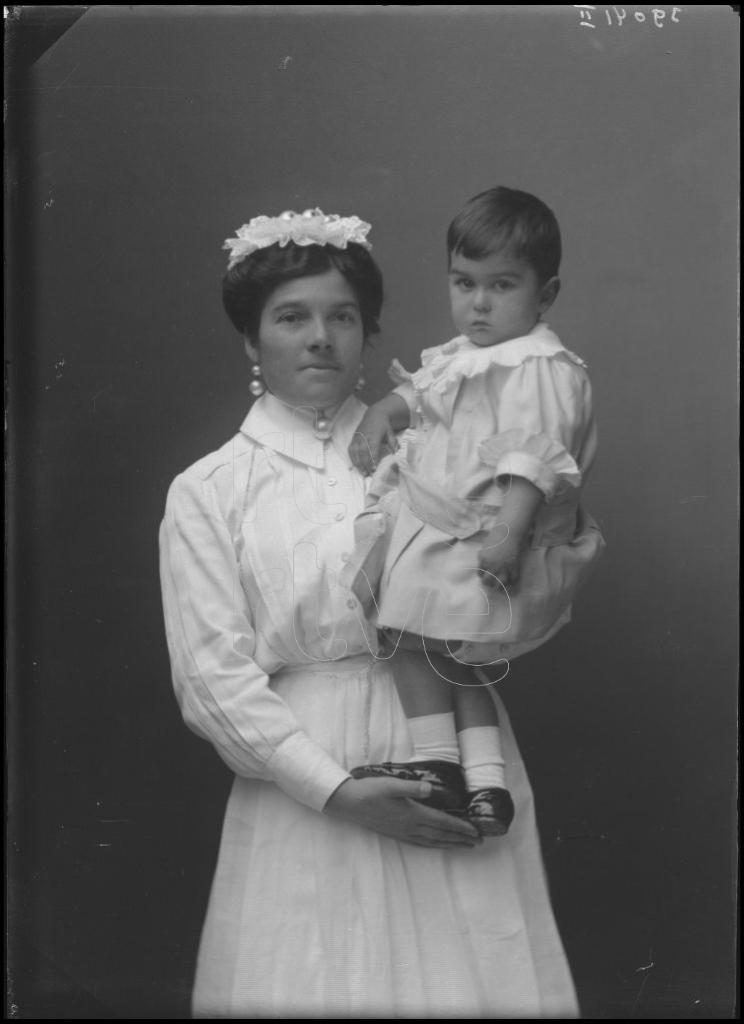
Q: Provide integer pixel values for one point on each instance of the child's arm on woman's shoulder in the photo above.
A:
(500, 558)
(377, 431)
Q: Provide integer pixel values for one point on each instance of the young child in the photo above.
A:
(474, 544)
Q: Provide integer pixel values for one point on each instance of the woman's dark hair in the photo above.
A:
(505, 218)
(249, 284)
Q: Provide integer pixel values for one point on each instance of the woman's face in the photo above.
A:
(310, 341)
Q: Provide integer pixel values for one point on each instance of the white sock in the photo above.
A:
(434, 738)
(482, 760)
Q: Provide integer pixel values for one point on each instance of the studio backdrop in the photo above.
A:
(144, 137)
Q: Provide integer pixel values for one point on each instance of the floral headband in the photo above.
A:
(313, 227)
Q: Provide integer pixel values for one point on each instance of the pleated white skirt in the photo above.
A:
(312, 917)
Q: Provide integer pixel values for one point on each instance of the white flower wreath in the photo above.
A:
(313, 227)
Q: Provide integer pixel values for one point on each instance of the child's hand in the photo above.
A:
(373, 438)
(500, 560)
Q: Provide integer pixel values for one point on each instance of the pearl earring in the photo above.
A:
(256, 386)
(361, 381)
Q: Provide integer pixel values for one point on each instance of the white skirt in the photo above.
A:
(312, 917)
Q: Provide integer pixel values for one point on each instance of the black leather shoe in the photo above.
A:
(491, 811)
(447, 781)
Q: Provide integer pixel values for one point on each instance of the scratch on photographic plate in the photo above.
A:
(645, 970)
(98, 395)
(67, 79)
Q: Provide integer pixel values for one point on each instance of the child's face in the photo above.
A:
(497, 298)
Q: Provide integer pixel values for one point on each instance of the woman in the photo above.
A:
(332, 896)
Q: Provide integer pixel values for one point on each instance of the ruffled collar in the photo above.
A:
(446, 365)
(289, 430)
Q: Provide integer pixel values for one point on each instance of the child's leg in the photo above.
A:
(490, 807)
(428, 704)
(478, 735)
(451, 716)
(451, 719)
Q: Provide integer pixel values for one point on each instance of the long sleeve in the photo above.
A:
(223, 693)
(544, 425)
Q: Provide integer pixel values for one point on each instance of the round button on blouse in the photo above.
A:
(339, 516)
(332, 481)
(351, 603)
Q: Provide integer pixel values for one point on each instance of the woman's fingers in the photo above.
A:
(400, 788)
(414, 792)
(449, 836)
(424, 825)
(433, 837)
(437, 828)
(447, 825)
(394, 808)
(431, 844)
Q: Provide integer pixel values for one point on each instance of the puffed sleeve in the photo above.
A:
(543, 415)
(223, 694)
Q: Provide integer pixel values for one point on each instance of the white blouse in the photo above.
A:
(252, 544)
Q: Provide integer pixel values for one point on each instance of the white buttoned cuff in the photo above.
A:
(305, 771)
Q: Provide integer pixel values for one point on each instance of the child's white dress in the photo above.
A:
(480, 415)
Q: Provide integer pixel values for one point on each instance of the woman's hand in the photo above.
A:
(373, 438)
(500, 560)
(390, 807)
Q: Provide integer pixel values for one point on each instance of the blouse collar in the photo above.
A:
(289, 430)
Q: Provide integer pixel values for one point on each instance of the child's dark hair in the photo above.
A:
(506, 218)
(246, 288)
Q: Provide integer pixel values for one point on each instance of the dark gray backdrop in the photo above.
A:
(144, 137)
